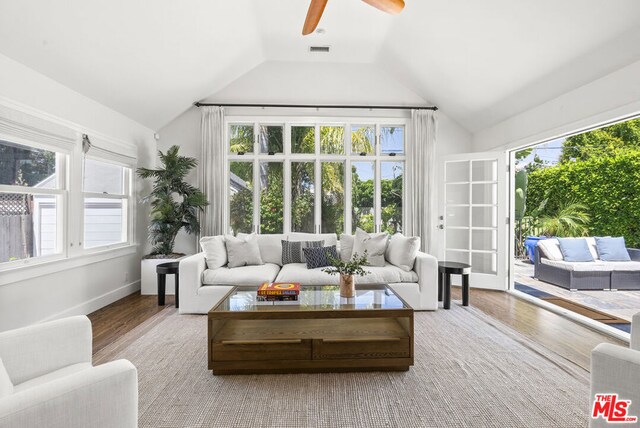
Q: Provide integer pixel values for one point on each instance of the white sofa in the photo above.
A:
(616, 370)
(202, 288)
(51, 382)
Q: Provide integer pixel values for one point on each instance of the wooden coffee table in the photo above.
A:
(322, 332)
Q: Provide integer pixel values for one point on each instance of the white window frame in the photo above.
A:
(62, 203)
(287, 157)
(127, 203)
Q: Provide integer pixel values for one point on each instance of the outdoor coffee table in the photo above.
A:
(322, 332)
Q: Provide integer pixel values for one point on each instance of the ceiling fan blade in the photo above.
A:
(313, 16)
(390, 6)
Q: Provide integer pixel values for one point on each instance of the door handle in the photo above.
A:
(440, 226)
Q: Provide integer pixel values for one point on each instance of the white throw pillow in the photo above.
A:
(215, 251)
(328, 238)
(6, 386)
(346, 247)
(550, 249)
(375, 246)
(243, 252)
(270, 247)
(402, 251)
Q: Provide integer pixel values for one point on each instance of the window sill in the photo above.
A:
(35, 268)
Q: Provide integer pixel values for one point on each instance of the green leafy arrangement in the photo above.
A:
(352, 267)
(174, 202)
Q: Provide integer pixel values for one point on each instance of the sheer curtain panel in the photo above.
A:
(421, 175)
(212, 171)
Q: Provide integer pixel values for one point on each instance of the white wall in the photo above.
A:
(88, 287)
(614, 96)
(303, 83)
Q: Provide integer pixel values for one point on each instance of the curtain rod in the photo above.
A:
(434, 108)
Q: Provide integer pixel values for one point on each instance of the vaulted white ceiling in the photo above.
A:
(479, 61)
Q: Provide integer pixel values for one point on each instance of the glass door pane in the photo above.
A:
(362, 196)
(332, 197)
(302, 196)
(271, 197)
(241, 197)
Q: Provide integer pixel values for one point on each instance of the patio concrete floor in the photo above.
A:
(622, 304)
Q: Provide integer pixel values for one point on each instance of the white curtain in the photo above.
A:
(212, 171)
(421, 176)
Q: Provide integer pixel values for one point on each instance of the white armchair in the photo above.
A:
(616, 370)
(52, 383)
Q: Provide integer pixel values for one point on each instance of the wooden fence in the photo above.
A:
(16, 237)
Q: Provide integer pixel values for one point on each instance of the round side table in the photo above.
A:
(445, 270)
(162, 270)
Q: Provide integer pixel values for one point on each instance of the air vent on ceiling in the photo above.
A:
(320, 49)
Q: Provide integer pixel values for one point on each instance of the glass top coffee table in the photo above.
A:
(321, 332)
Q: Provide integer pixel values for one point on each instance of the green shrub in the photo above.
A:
(608, 186)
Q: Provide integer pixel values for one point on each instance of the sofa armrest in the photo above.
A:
(426, 267)
(38, 349)
(634, 253)
(614, 369)
(102, 396)
(191, 270)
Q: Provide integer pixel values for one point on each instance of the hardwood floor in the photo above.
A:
(561, 335)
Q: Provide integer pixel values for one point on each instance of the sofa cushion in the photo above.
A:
(245, 275)
(388, 274)
(319, 257)
(375, 246)
(575, 250)
(550, 248)
(54, 375)
(270, 247)
(6, 386)
(402, 251)
(612, 249)
(346, 247)
(215, 251)
(243, 251)
(328, 238)
(596, 266)
(292, 250)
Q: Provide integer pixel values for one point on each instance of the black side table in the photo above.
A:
(163, 270)
(445, 270)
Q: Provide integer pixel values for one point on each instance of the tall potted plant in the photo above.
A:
(175, 204)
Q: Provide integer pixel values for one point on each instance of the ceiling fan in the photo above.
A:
(317, 7)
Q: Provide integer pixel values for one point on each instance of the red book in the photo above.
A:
(279, 289)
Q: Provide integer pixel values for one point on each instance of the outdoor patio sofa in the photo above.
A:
(550, 267)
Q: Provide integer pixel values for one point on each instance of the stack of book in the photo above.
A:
(278, 292)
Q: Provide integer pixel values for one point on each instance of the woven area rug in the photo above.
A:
(470, 371)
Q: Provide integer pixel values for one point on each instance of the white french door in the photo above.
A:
(472, 216)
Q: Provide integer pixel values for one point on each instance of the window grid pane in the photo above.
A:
(363, 139)
(271, 197)
(271, 139)
(241, 197)
(302, 197)
(391, 182)
(303, 139)
(102, 177)
(241, 138)
(332, 197)
(362, 196)
(392, 140)
(332, 140)
(27, 166)
(104, 222)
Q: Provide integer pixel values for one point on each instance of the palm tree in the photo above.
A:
(174, 202)
(571, 219)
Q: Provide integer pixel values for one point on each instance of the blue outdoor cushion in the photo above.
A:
(612, 249)
(575, 250)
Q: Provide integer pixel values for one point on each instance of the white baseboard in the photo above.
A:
(97, 302)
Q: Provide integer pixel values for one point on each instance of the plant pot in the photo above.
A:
(347, 286)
